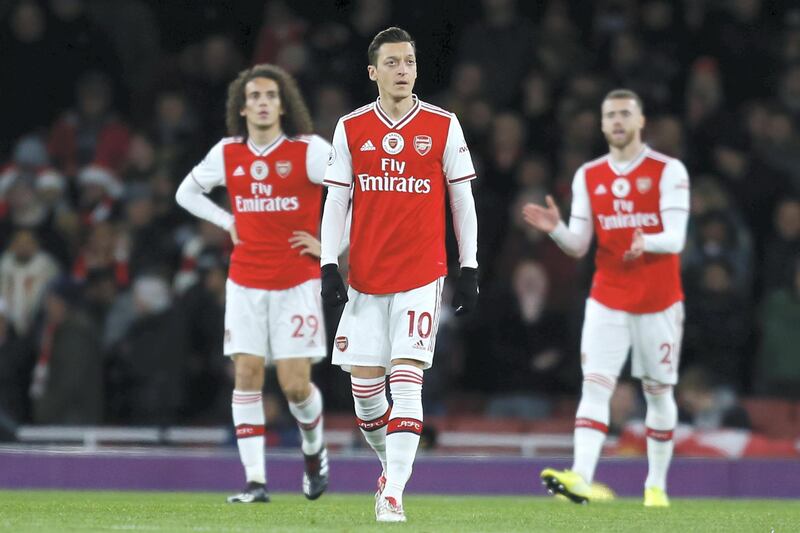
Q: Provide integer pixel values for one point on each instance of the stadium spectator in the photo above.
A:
(717, 328)
(92, 132)
(783, 247)
(25, 271)
(67, 386)
(16, 364)
(778, 368)
(707, 405)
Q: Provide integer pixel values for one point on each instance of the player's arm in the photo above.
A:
(575, 239)
(191, 193)
(338, 177)
(459, 172)
(674, 207)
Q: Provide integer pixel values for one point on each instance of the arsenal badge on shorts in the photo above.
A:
(422, 144)
(341, 343)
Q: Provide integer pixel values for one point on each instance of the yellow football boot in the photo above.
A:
(655, 497)
(568, 483)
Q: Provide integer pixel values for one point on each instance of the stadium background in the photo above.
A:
(116, 295)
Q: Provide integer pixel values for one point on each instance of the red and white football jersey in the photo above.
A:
(399, 171)
(618, 201)
(273, 190)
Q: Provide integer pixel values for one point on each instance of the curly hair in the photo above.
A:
(296, 119)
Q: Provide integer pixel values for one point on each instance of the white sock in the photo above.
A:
(308, 414)
(662, 415)
(372, 412)
(248, 419)
(591, 423)
(405, 426)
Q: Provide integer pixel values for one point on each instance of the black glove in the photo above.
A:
(333, 292)
(466, 296)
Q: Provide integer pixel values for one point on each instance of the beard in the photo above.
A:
(621, 143)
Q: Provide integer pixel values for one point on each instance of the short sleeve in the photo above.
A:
(210, 172)
(317, 159)
(674, 186)
(456, 160)
(339, 171)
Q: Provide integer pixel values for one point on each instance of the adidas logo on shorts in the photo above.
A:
(419, 345)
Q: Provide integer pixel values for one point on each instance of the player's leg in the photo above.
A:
(656, 351)
(245, 341)
(605, 342)
(414, 321)
(296, 340)
(361, 347)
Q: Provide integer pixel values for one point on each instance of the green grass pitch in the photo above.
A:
(45, 511)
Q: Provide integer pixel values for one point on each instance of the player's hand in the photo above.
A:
(637, 246)
(542, 218)
(334, 293)
(466, 295)
(308, 244)
(234, 235)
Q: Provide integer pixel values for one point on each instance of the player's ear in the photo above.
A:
(373, 72)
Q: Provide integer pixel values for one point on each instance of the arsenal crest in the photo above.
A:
(341, 343)
(422, 144)
(283, 168)
(643, 184)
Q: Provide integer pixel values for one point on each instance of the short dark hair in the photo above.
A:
(619, 94)
(296, 119)
(389, 35)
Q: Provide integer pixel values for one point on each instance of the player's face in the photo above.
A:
(395, 71)
(622, 121)
(262, 105)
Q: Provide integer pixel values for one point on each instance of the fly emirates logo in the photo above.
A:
(626, 218)
(393, 180)
(262, 201)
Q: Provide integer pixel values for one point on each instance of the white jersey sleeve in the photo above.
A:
(456, 161)
(209, 173)
(674, 206)
(334, 225)
(317, 159)
(576, 238)
(465, 222)
(339, 172)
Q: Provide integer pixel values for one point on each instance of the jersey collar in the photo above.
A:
(627, 168)
(263, 151)
(405, 119)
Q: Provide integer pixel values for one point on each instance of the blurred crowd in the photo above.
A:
(112, 297)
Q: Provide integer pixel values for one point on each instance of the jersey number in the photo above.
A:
(424, 324)
(667, 359)
(310, 322)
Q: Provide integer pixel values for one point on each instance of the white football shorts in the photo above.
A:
(655, 340)
(279, 324)
(376, 328)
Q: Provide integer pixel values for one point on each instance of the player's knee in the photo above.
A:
(296, 390)
(249, 374)
(662, 411)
